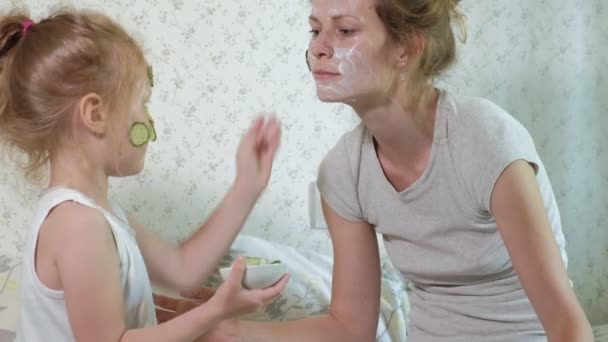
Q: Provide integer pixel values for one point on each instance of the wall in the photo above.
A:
(220, 62)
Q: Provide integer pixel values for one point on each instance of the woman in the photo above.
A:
(454, 185)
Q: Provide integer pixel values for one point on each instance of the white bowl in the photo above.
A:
(259, 276)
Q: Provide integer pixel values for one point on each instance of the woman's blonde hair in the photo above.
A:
(434, 20)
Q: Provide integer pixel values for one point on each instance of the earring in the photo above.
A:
(402, 75)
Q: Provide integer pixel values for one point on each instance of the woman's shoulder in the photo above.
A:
(469, 112)
(348, 148)
(478, 123)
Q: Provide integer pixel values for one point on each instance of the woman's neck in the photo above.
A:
(403, 129)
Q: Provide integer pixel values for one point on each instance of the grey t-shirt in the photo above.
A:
(440, 232)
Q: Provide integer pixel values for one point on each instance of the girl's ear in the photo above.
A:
(92, 114)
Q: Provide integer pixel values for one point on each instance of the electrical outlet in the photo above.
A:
(317, 220)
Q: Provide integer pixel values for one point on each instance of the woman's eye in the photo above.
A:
(346, 32)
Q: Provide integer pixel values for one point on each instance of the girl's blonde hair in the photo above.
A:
(46, 67)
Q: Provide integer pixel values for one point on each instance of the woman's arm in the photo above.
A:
(524, 226)
(355, 301)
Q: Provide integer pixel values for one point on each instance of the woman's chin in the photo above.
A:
(333, 98)
(329, 97)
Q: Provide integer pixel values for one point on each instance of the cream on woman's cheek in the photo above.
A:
(354, 72)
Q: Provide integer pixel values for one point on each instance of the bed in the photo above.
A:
(307, 293)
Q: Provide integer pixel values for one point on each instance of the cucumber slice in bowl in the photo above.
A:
(255, 261)
(259, 273)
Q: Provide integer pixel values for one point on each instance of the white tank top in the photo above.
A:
(43, 314)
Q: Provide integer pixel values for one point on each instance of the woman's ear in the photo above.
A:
(92, 114)
(410, 48)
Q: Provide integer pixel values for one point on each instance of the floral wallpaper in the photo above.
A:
(219, 62)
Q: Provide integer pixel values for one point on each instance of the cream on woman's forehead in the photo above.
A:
(338, 7)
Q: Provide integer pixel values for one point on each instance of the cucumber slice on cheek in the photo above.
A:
(139, 134)
(152, 130)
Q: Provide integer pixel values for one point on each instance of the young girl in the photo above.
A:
(73, 94)
(454, 184)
